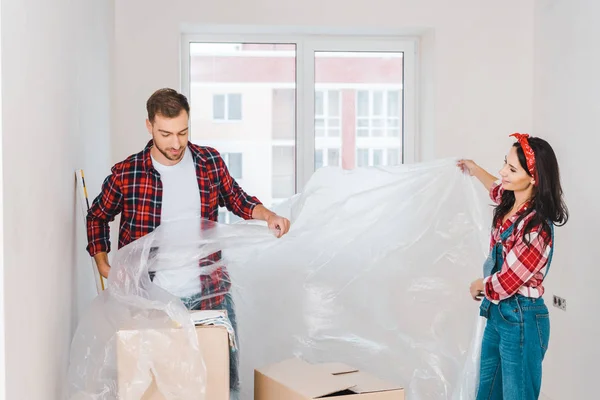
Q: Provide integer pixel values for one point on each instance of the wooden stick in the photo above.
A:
(85, 206)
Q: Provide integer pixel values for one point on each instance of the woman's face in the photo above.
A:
(514, 176)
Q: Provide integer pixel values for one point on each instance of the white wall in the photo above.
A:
(478, 60)
(566, 113)
(56, 116)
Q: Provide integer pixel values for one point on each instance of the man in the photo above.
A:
(172, 179)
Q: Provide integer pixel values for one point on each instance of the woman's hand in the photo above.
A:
(477, 289)
(467, 166)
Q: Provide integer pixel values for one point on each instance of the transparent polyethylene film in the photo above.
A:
(374, 273)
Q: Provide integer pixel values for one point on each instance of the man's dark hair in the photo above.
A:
(166, 102)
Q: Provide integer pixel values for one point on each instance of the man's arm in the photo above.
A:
(102, 263)
(104, 209)
(241, 204)
(279, 225)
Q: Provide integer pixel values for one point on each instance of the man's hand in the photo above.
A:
(102, 263)
(280, 225)
(477, 289)
(277, 224)
(104, 270)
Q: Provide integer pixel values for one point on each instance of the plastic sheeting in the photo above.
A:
(373, 273)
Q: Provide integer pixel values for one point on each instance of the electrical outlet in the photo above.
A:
(561, 303)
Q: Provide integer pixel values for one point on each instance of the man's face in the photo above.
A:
(170, 137)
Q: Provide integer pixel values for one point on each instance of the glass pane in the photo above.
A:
(393, 157)
(362, 103)
(362, 158)
(393, 122)
(378, 103)
(318, 159)
(284, 113)
(234, 107)
(377, 157)
(319, 122)
(229, 81)
(218, 106)
(359, 83)
(283, 171)
(334, 103)
(234, 164)
(333, 122)
(393, 109)
(333, 158)
(320, 132)
(319, 107)
(369, 88)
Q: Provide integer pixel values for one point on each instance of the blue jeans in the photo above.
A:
(515, 341)
(193, 303)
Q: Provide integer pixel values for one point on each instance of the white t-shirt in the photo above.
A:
(181, 195)
(180, 199)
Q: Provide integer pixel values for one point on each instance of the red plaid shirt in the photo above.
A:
(524, 265)
(134, 189)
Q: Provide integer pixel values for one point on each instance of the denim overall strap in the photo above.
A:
(495, 259)
(493, 264)
(506, 234)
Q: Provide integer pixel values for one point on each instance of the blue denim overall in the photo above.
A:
(515, 339)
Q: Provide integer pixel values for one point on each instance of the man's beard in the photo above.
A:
(169, 156)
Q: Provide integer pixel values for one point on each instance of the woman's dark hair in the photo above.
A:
(547, 200)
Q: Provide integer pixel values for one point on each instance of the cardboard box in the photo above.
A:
(214, 347)
(295, 379)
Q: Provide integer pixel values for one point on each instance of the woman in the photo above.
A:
(529, 203)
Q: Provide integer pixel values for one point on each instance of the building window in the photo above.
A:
(227, 107)
(234, 164)
(378, 113)
(362, 157)
(373, 157)
(328, 113)
(327, 157)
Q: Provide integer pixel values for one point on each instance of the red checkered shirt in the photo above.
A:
(524, 265)
(134, 189)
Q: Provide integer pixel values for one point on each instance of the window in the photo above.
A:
(227, 107)
(234, 164)
(378, 113)
(393, 157)
(362, 158)
(328, 113)
(327, 157)
(369, 157)
(299, 103)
